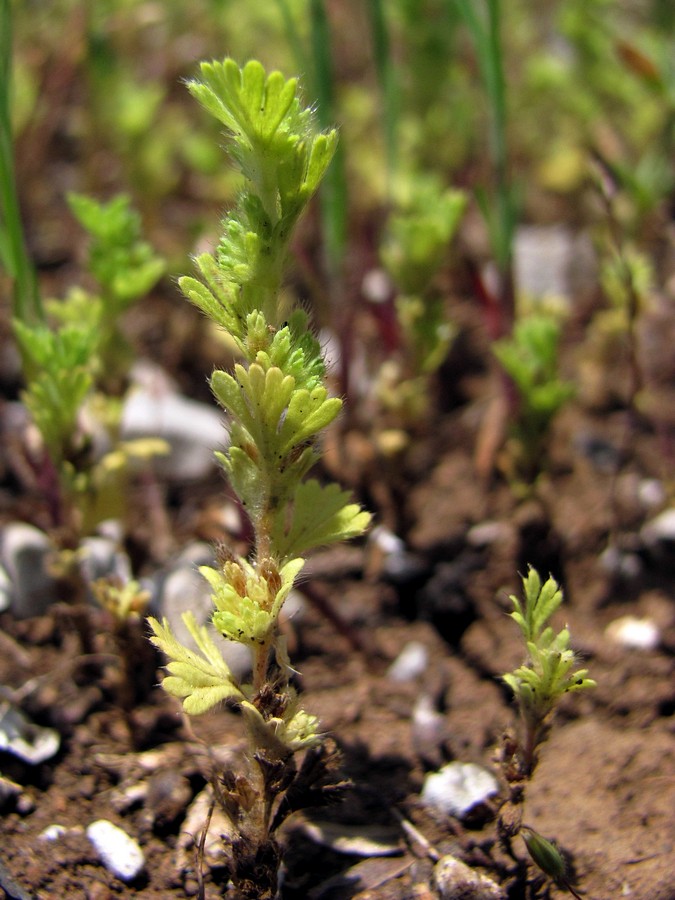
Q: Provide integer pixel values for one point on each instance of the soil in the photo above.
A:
(605, 784)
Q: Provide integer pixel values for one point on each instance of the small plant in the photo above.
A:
(82, 460)
(415, 245)
(278, 404)
(538, 686)
(530, 358)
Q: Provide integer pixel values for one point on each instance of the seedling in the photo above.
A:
(530, 358)
(278, 405)
(64, 363)
(538, 686)
(416, 243)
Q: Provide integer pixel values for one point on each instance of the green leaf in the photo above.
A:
(320, 515)
(202, 681)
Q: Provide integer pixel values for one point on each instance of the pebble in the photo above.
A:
(454, 880)
(24, 555)
(659, 533)
(193, 430)
(102, 558)
(118, 852)
(24, 739)
(411, 662)
(457, 788)
(52, 832)
(621, 563)
(634, 633)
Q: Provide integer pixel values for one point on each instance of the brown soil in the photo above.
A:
(604, 788)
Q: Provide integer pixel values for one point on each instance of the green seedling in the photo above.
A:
(64, 363)
(415, 245)
(530, 358)
(125, 268)
(547, 675)
(278, 405)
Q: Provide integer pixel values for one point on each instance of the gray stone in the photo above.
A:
(193, 430)
(24, 555)
(454, 880)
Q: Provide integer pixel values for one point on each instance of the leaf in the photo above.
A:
(203, 680)
(320, 515)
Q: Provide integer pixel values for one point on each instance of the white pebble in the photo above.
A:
(119, 853)
(458, 787)
(410, 663)
(634, 633)
(53, 832)
(454, 880)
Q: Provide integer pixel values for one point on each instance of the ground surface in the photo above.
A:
(605, 786)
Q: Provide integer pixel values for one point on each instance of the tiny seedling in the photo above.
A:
(65, 361)
(530, 358)
(278, 404)
(538, 686)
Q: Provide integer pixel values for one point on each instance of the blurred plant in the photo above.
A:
(84, 461)
(498, 205)
(278, 405)
(13, 254)
(127, 603)
(415, 245)
(538, 686)
(530, 358)
(125, 268)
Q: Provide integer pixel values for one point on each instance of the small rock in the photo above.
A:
(24, 556)
(22, 738)
(52, 832)
(5, 589)
(659, 534)
(454, 880)
(119, 853)
(102, 558)
(192, 430)
(651, 493)
(457, 788)
(634, 633)
(411, 662)
(620, 563)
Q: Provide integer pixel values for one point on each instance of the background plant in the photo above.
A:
(69, 362)
(530, 358)
(278, 404)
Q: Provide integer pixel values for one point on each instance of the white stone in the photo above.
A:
(193, 430)
(411, 662)
(634, 633)
(457, 788)
(22, 738)
(52, 832)
(119, 853)
(454, 880)
(660, 529)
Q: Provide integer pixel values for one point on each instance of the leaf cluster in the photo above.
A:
(124, 265)
(283, 159)
(59, 376)
(548, 673)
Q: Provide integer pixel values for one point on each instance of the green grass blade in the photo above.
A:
(13, 254)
